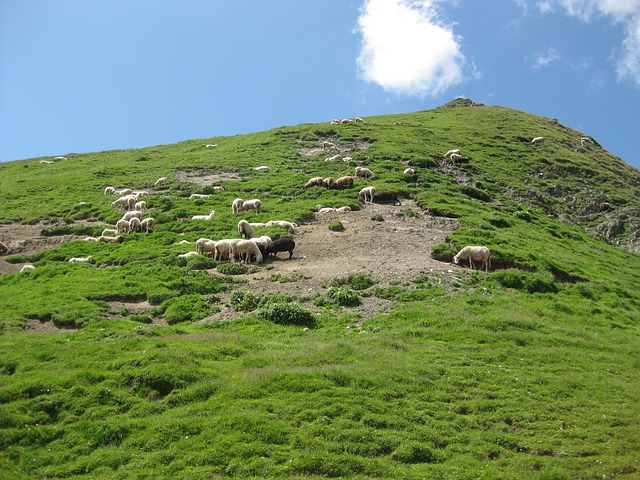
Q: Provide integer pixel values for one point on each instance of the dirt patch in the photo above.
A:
(205, 178)
(317, 151)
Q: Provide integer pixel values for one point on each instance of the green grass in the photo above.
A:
(530, 371)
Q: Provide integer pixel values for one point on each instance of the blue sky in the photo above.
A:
(81, 76)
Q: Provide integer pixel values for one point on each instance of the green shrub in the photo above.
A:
(520, 280)
(231, 268)
(377, 217)
(335, 226)
(201, 262)
(244, 301)
(476, 193)
(287, 314)
(345, 297)
(359, 281)
(414, 453)
(443, 253)
(186, 308)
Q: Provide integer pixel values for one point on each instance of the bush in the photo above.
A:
(377, 217)
(201, 262)
(287, 314)
(476, 193)
(231, 268)
(335, 226)
(414, 453)
(359, 281)
(244, 301)
(344, 296)
(186, 308)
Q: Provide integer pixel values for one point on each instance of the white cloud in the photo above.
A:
(623, 12)
(544, 59)
(407, 49)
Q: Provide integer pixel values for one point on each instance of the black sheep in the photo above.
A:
(284, 244)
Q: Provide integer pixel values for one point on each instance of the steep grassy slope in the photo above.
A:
(528, 371)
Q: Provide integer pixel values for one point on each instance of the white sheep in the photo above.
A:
(104, 239)
(236, 206)
(474, 254)
(222, 248)
(205, 246)
(537, 140)
(46, 162)
(27, 268)
(140, 206)
(218, 188)
(409, 171)
(147, 224)
(88, 259)
(264, 240)
(346, 159)
(321, 209)
(254, 203)
(127, 201)
(282, 223)
(257, 224)
(188, 255)
(90, 239)
(586, 141)
(109, 191)
(330, 147)
(245, 230)
(135, 225)
(211, 145)
(60, 158)
(123, 191)
(359, 120)
(195, 196)
(204, 217)
(346, 120)
(140, 193)
(109, 232)
(160, 181)
(262, 168)
(246, 248)
(367, 194)
(363, 172)
(334, 158)
(451, 152)
(122, 226)
(132, 214)
(315, 181)
(454, 157)
(344, 209)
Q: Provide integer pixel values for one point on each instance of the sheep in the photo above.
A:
(160, 181)
(537, 140)
(359, 120)
(284, 244)
(211, 145)
(363, 172)
(474, 254)
(586, 140)
(244, 229)
(367, 193)
(127, 201)
(346, 120)
(109, 191)
(61, 158)
(109, 232)
(147, 224)
(247, 248)
(204, 217)
(104, 239)
(135, 225)
(27, 268)
(315, 181)
(124, 191)
(122, 226)
(282, 223)
(321, 209)
(334, 158)
(198, 195)
(454, 157)
(387, 196)
(90, 239)
(252, 204)
(257, 224)
(218, 188)
(344, 209)
(205, 246)
(451, 152)
(3, 249)
(188, 255)
(334, 121)
(262, 168)
(140, 193)
(263, 240)
(222, 248)
(236, 206)
(344, 182)
(88, 259)
(140, 206)
(46, 162)
(330, 147)
(329, 182)
(346, 159)
(409, 171)
(132, 214)
(184, 242)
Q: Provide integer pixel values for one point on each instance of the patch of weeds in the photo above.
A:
(201, 262)
(335, 226)
(288, 314)
(276, 277)
(359, 281)
(377, 217)
(245, 301)
(345, 297)
(231, 268)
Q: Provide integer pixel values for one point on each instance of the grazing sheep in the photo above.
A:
(147, 224)
(344, 182)
(537, 140)
(188, 255)
(109, 232)
(330, 147)
(359, 120)
(244, 229)
(346, 159)
(263, 240)
(198, 195)
(315, 181)
(285, 244)
(346, 120)
(140, 206)
(211, 145)
(254, 203)
(204, 217)
(122, 226)
(321, 209)
(27, 268)
(222, 248)
(140, 193)
(367, 193)
(335, 158)
(135, 225)
(109, 191)
(46, 162)
(104, 239)
(329, 182)
(124, 191)
(236, 206)
(262, 168)
(88, 259)
(409, 171)
(387, 196)
(160, 181)
(282, 223)
(257, 224)
(454, 157)
(218, 188)
(474, 254)
(363, 172)
(451, 152)
(127, 201)
(246, 248)
(586, 140)
(132, 214)
(205, 246)
(344, 209)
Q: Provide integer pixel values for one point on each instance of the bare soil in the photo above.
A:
(394, 249)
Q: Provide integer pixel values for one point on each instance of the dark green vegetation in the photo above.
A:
(528, 371)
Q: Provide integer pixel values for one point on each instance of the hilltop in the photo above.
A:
(369, 354)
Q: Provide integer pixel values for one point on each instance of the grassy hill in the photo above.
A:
(528, 371)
